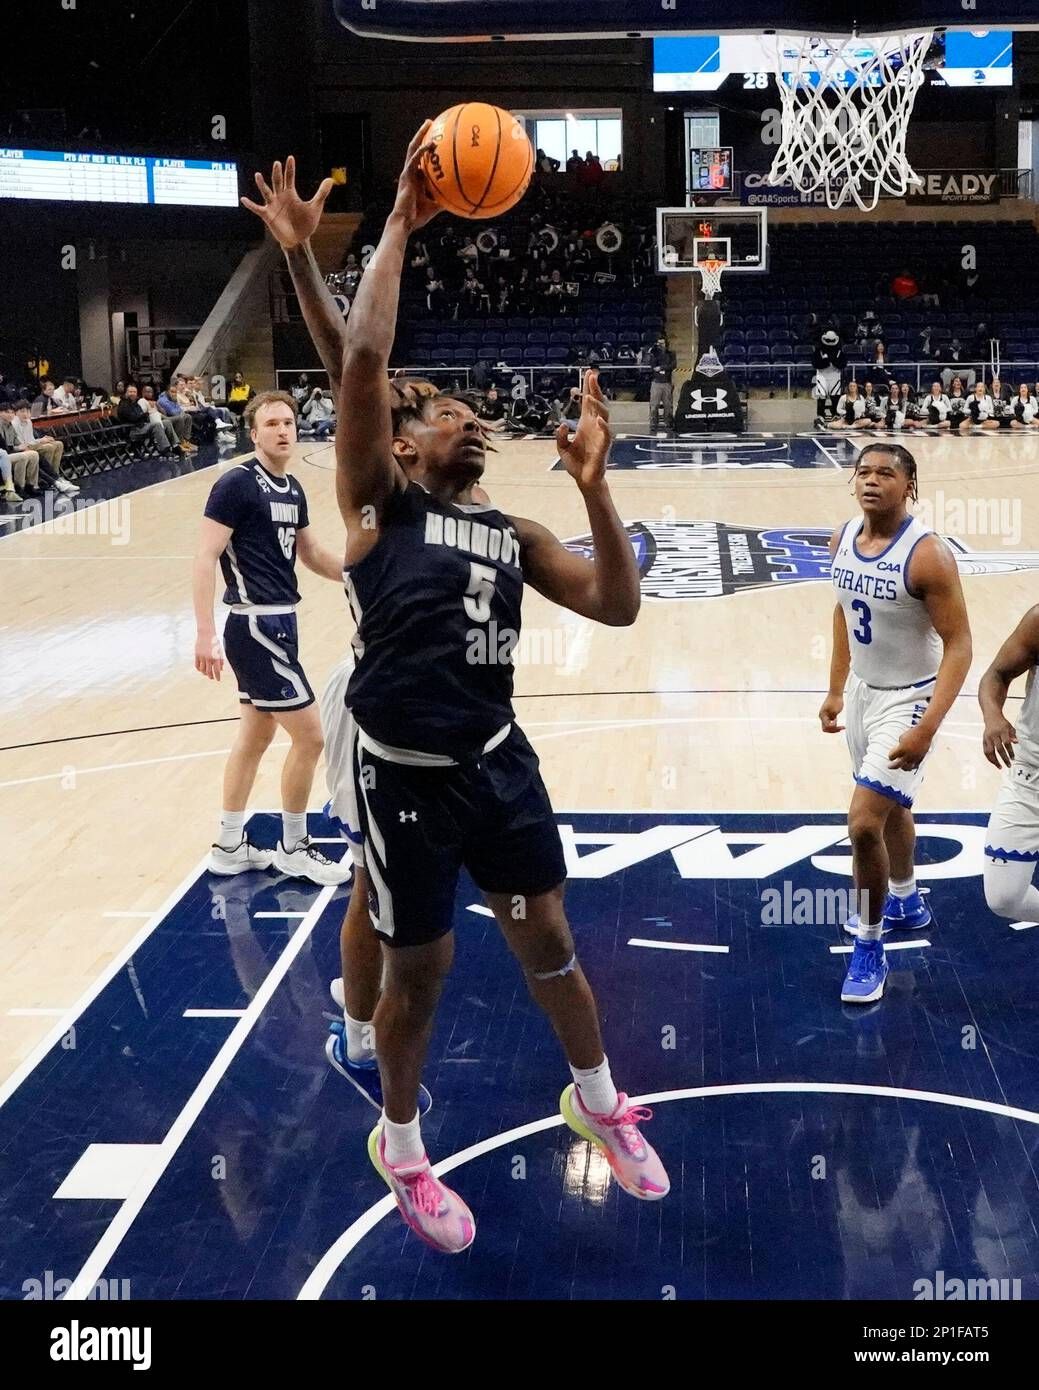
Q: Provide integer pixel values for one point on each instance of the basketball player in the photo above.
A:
(900, 628)
(255, 524)
(1012, 838)
(443, 776)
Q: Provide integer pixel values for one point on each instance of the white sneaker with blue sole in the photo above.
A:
(867, 973)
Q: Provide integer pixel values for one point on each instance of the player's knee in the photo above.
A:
(1002, 893)
(865, 830)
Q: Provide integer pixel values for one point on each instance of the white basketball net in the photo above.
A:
(846, 107)
(710, 277)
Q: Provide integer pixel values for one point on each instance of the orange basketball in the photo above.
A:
(482, 160)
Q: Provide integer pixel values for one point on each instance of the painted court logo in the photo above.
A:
(711, 559)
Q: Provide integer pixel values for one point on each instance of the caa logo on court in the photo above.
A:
(711, 559)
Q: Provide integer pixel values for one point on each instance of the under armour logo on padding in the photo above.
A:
(408, 815)
(699, 400)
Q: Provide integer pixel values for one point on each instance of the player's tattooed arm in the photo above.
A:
(212, 542)
(366, 471)
(840, 661)
(1018, 654)
(318, 557)
(934, 576)
(292, 223)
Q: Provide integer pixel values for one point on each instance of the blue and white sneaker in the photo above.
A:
(900, 914)
(363, 1076)
(867, 974)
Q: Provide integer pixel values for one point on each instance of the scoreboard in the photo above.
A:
(710, 170)
(71, 177)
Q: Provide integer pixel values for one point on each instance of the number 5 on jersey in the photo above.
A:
(287, 540)
(478, 595)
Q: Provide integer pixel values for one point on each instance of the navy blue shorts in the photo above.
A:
(262, 650)
(421, 825)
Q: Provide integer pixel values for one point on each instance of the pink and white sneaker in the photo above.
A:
(635, 1163)
(435, 1213)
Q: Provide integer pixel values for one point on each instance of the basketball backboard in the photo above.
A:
(453, 21)
(687, 236)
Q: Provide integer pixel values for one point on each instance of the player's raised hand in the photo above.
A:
(289, 219)
(209, 657)
(415, 204)
(998, 741)
(585, 453)
(828, 713)
(910, 750)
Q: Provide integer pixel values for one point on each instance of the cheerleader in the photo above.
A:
(1025, 409)
(938, 407)
(874, 403)
(851, 408)
(958, 415)
(982, 408)
(898, 407)
(910, 406)
(1003, 404)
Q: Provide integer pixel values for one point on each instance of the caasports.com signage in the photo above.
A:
(756, 191)
(955, 186)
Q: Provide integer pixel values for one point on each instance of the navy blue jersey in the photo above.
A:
(264, 512)
(437, 607)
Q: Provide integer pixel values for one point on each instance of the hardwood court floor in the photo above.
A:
(113, 746)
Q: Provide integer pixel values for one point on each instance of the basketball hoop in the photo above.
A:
(710, 276)
(846, 103)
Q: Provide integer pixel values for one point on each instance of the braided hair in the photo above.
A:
(410, 398)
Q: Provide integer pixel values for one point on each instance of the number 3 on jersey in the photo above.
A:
(864, 632)
(477, 601)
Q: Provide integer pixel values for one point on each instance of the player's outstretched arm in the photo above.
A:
(366, 472)
(605, 589)
(292, 223)
(936, 578)
(1018, 654)
(318, 557)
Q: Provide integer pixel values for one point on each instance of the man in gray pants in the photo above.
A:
(662, 360)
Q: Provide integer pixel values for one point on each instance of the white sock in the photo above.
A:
(232, 829)
(293, 828)
(903, 888)
(358, 1039)
(598, 1093)
(403, 1142)
(868, 932)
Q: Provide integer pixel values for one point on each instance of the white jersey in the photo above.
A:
(1026, 408)
(986, 406)
(892, 639)
(1027, 724)
(939, 404)
(858, 404)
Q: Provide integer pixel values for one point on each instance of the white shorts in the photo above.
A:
(340, 738)
(1013, 827)
(875, 720)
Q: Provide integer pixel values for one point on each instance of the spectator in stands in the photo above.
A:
(302, 389)
(8, 391)
(224, 418)
(879, 369)
(904, 287)
(178, 417)
(420, 258)
(868, 329)
(68, 396)
(591, 176)
(25, 463)
(981, 347)
(574, 164)
(44, 403)
(120, 391)
(48, 449)
(1025, 409)
(923, 343)
(319, 413)
(492, 407)
(472, 291)
(436, 299)
(240, 394)
(662, 361)
(468, 253)
(503, 297)
(546, 164)
(553, 292)
(145, 422)
(352, 273)
(8, 491)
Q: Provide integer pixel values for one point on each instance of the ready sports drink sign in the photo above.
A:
(956, 186)
(712, 559)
